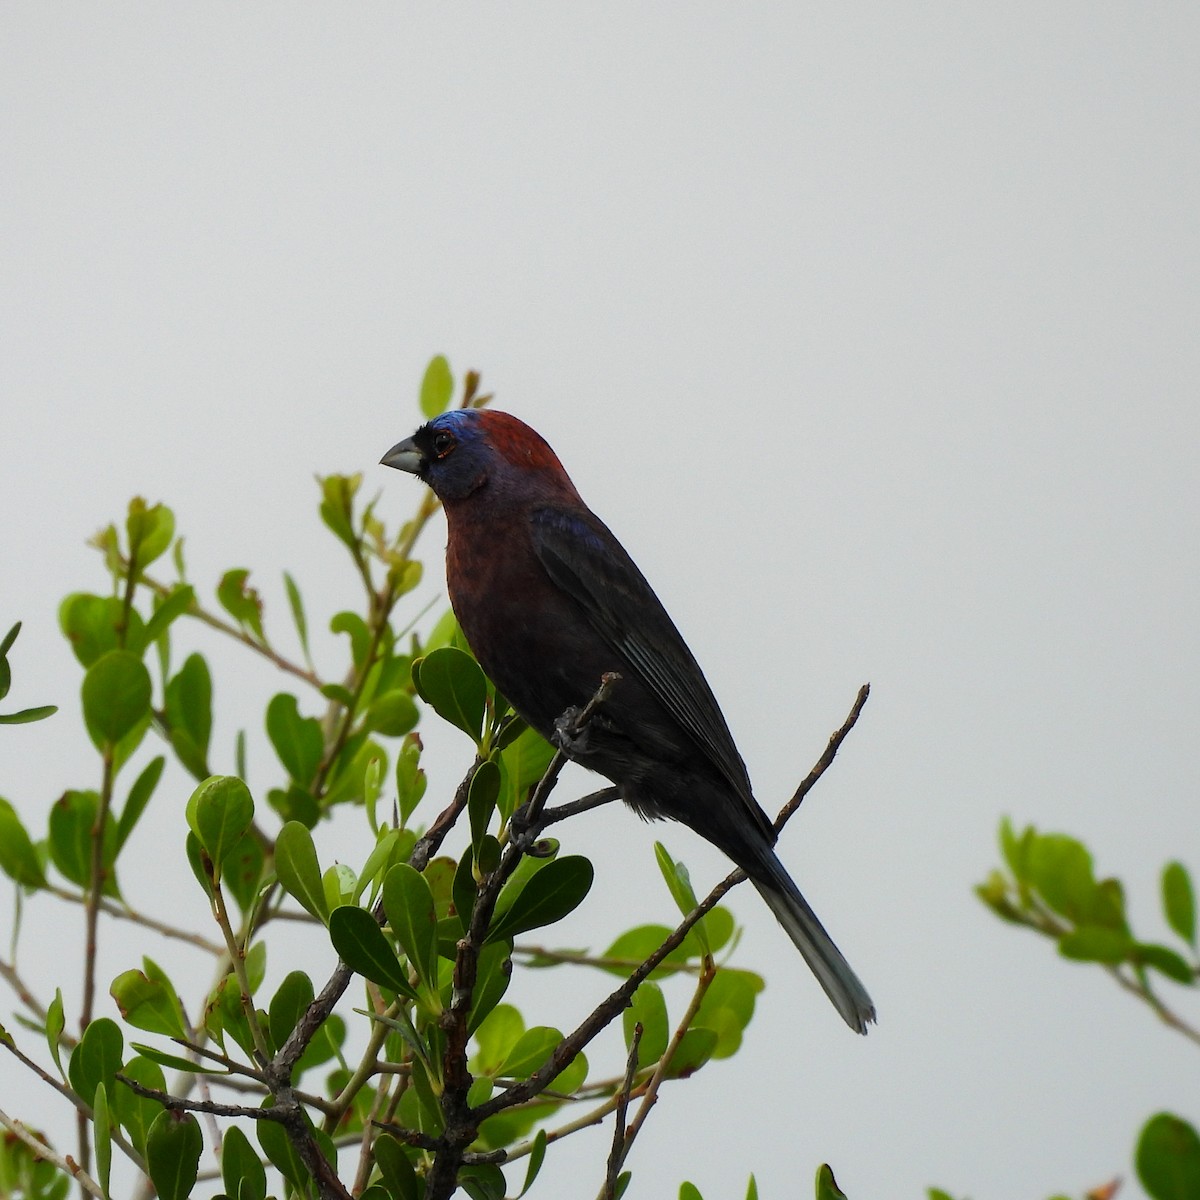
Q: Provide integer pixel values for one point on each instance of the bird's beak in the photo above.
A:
(405, 456)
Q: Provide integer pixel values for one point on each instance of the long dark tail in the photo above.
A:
(825, 960)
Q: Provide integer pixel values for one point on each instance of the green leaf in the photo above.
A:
(491, 982)
(1179, 901)
(694, 1049)
(116, 696)
(149, 1004)
(150, 528)
(531, 1051)
(296, 603)
(26, 716)
(242, 870)
(396, 1169)
(173, 1146)
(410, 778)
(1060, 867)
(55, 1024)
(298, 871)
(1163, 959)
(556, 890)
(361, 945)
(97, 1058)
(454, 686)
(173, 1062)
(1168, 1158)
(1093, 943)
(495, 1037)
(188, 707)
(242, 1172)
(482, 1181)
(291, 999)
(827, 1188)
(635, 945)
(536, 1157)
(166, 612)
(219, 813)
(136, 1113)
(689, 1191)
(73, 817)
(92, 625)
(523, 762)
(241, 602)
(649, 1009)
(18, 859)
(139, 797)
(481, 800)
(437, 387)
(393, 714)
(679, 884)
(297, 740)
(727, 1008)
(408, 903)
(102, 1138)
(337, 506)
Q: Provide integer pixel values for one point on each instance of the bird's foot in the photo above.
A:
(568, 736)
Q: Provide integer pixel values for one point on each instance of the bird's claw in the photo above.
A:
(568, 736)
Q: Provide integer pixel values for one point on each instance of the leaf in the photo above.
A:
(240, 601)
(689, 1191)
(188, 707)
(679, 884)
(298, 871)
(26, 716)
(102, 1138)
(173, 1146)
(437, 387)
(296, 603)
(1163, 959)
(242, 870)
(727, 1008)
(556, 890)
(242, 1172)
(166, 612)
(1179, 901)
(827, 1188)
(1168, 1158)
(173, 1062)
(496, 1037)
(97, 1057)
(361, 945)
(649, 1009)
(452, 683)
(408, 903)
(396, 1169)
(149, 1004)
(291, 998)
(393, 714)
(492, 977)
(116, 696)
(150, 529)
(55, 1024)
(536, 1157)
(1092, 943)
(337, 506)
(410, 778)
(1060, 867)
(481, 800)
(18, 858)
(219, 813)
(136, 1113)
(531, 1051)
(297, 740)
(73, 817)
(523, 761)
(693, 1050)
(91, 623)
(139, 797)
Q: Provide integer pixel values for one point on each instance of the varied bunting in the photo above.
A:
(550, 601)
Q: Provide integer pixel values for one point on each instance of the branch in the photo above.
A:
(67, 1165)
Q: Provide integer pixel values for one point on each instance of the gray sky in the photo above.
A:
(871, 330)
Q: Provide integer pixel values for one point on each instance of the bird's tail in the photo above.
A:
(833, 972)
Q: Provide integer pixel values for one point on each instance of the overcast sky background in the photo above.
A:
(872, 332)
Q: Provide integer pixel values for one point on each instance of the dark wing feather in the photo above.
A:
(582, 557)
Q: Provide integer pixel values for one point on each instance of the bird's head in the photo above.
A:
(461, 451)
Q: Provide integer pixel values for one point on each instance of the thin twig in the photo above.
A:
(616, 1156)
(66, 1165)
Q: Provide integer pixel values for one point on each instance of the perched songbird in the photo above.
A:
(550, 601)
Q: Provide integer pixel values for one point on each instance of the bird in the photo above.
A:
(549, 602)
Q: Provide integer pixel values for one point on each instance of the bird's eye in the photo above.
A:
(443, 443)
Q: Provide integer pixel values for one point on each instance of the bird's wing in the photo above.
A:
(582, 557)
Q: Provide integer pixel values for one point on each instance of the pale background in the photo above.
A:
(871, 330)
